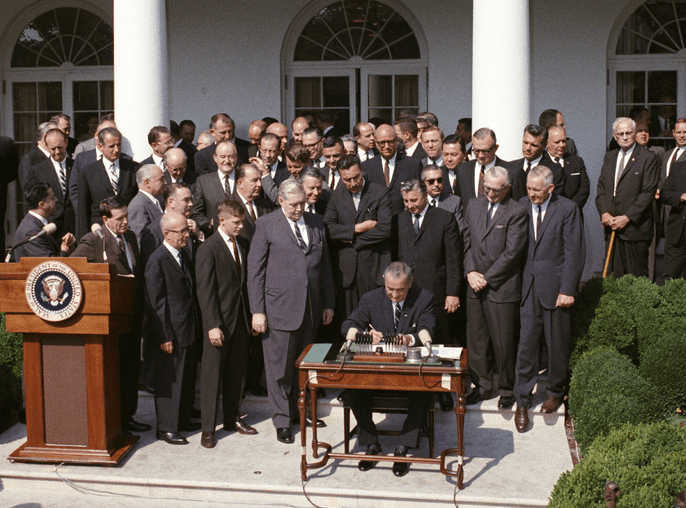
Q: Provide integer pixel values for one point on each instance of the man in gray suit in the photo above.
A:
(550, 283)
(291, 292)
(145, 208)
(434, 179)
(495, 239)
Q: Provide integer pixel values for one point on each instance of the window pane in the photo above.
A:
(25, 127)
(308, 93)
(631, 88)
(50, 96)
(84, 125)
(336, 92)
(386, 114)
(406, 90)
(85, 95)
(107, 95)
(662, 85)
(24, 96)
(380, 91)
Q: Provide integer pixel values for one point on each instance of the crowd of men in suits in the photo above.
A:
(248, 251)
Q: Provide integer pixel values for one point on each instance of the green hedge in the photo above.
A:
(647, 462)
(607, 391)
(10, 375)
(664, 365)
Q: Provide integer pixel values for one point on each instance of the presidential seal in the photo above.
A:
(54, 291)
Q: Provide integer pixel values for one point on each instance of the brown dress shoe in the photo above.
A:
(521, 419)
(551, 404)
(241, 427)
(207, 440)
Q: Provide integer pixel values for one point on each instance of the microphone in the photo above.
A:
(97, 230)
(48, 229)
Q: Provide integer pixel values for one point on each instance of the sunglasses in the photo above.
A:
(432, 181)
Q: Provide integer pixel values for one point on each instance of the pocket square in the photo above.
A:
(499, 226)
(636, 173)
(574, 174)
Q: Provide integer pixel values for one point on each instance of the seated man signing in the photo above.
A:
(405, 310)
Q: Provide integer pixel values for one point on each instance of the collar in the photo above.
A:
(438, 162)
(39, 217)
(544, 206)
(157, 159)
(225, 237)
(534, 162)
(45, 152)
(98, 154)
(176, 145)
(299, 222)
(150, 196)
(391, 161)
(232, 175)
(423, 212)
(410, 150)
(487, 166)
(629, 151)
(174, 252)
(247, 203)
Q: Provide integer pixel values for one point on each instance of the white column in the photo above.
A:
(141, 76)
(501, 73)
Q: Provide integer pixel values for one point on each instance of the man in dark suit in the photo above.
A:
(145, 208)
(402, 309)
(316, 195)
(272, 169)
(223, 297)
(56, 171)
(117, 245)
(37, 154)
(212, 188)
(550, 283)
(291, 291)
(390, 169)
(256, 130)
(435, 181)
(222, 128)
(464, 131)
(160, 140)
(9, 167)
(673, 194)
(358, 221)
(534, 143)
(176, 168)
(112, 175)
(470, 175)
(42, 203)
(297, 158)
(326, 120)
(406, 129)
(676, 154)
(187, 129)
(298, 126)
(332, 151)
(495, 240)
(432, 141)
(366, 144)
(313, 139)
(63, 123)
(577, 186)
(247, 194)
(454, 154)
(552, 117)
(170, 290)
(626, 190)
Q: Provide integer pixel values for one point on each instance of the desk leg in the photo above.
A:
(303, 426)
(313, 405)
(460, 411)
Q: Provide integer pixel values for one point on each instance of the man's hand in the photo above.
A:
(606, 219)
(167, 347)
(259, 323)
(377, 336)
(68, 243)
(452, 303)
(476, 281)
(195, 230)
(564, 301)
(683, 196)
(259, 164)
(620, 222)
(327, 316)
(365, 226)
(657, 195)
(216, 337)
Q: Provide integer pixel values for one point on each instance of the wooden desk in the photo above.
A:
(315, 372)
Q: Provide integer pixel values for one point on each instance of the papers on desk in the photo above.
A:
(445, 352)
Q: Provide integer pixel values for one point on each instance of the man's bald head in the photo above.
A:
(280, 130)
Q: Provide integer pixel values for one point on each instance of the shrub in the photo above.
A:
(647, 462)
(10, 375)
(663, 364)
(607, 391)
(668, 318)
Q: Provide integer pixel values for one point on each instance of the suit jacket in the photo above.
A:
(453, 204)
(189, 179)
(221, 289)
(152, 237)
(94, 186)
(670, 195)
(635, 192)
(63, 217)
(495, 250)
(190, 150)
(577, 185)
(282, 279)
(661, 209)
(406, 168)
(376, 309)
(148, 160)
(46, 246)
(204, 159)
(92, 247)
(171, 306)
(558, 173)
(263, 205)
(33, 157)
(419, 152)
(142, 212)
(85, 146)
(464, 184)
(81, 160)
(435, 254)
(9, 161)
(555, 259)
(270, 186)
(369, 252)
(208, 193)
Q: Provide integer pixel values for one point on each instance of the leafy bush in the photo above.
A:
(607, 391)
(663, 364)
(10, 375)
(647, 462)
(668, 319)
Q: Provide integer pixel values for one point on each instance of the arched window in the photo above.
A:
(359, 59)
(655, 27)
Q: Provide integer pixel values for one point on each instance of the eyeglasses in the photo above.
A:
(488, 189)
(432, 181)
(311, 145)
(182, 232)
(476, 151)
(386, 142)
(624, 134)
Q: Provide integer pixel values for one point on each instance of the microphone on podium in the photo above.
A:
(97, 229)
(48, 229)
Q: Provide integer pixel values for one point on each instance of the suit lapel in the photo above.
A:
(287, 225)
(364, 198)
(499, 212)
(635, 154)
(427, 218)
(552, 206)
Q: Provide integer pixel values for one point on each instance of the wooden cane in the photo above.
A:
(609, 253)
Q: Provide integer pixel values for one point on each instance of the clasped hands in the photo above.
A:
(616, 223)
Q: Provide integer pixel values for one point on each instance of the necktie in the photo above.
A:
(251, 211)
(122, 246)
(236, 256)
(63, 178)
(396, 316)
(415, 226)
(489, 213)
(620, 169)
(332, 184)
(227, 187)
(432, 202)
(386, 172)
(114, 179)
(539, 221)
(299, 237)
(528, 167)
(185, 269)
(481, 182)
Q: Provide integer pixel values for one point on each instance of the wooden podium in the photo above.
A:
(71, 367)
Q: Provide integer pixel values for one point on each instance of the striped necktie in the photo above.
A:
(114, 178)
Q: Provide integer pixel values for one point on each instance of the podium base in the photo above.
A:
(58, 454)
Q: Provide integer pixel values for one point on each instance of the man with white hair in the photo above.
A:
(145, 207)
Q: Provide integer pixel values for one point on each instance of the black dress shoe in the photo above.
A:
(505, 402)
(284, 435)
(447, 403)
(258, 391)
(207, 440)
(320, 423)
(195, 413)
(190, 427)
(342, 395)
(134, 426)
(171, 438)
(473, 398)
(241, 427)
(400, 468)
(321, 393)
(372, 449)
